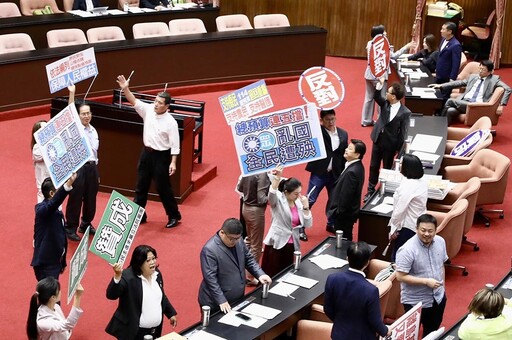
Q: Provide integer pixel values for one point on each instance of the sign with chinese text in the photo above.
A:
(468, 144)
(288, 137)
(117, 229)
(78, 265)
(322, 87)
(379, 56)
(245, 102)
(71, 70)
(64, 146)
(407, 327)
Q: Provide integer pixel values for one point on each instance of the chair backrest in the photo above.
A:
(9, 9)
(29, 6)
(490, 109)
(271, 20)
(384, 288)
(150, 30)
(451, 227)
(131, 3)
(232, 22)
(66, 37)
(106, 33)
(469, 191)
(483, 123)
(394, 308)
(492, 168)
(463, 61)
(15, 42)
(470, 68)
(186, 26)
(308, 329)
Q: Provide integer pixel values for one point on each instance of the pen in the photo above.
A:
(293, 297)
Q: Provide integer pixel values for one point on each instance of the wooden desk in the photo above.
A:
(37, 26)
(120, 131)
(178, 60)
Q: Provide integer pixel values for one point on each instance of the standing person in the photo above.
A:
(254, 189)
(409, 202)
(429, 54)
(83, 197)
(46, 321)
(389, 133)
(490, 317)
(371, 81)
(290, 212)
(345, 201)
(40, 168)
(420, 270)
(50, 243)
(448, 62)
(325, 171)
(161, 149)
(142, 299)
(351, 302)
(224, 259)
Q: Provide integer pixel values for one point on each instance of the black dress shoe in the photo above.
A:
(367, 196)
(72, 236)
(83, 228)
(303, 236)
(173, 222)
(329, 228)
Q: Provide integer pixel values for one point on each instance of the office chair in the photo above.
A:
(29, 6)
(9, 10)
(65, 37)
(308, 329)
(480, 35)
(456, 134)
(150, 30)
(186, 26)
(449, 160)
(232, 22)
(106, 33)
(491, 109)
(271, 20)
(15, 42)
(394, 308)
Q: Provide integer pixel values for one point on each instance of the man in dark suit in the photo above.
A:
(224, 259)
(448, 62)
(154, 4)
(345, 201)
(389, 132)
(325, 171)
(86, 5)
(50, 243)
(479, 88)
(351, 302)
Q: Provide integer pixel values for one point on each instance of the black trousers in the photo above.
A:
(154, 165)
(379, 154)
(431, 317)
(83, 196)
(345, 224)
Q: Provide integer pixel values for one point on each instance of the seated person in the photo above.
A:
(154, 4)
(479, 88)
(86, 5)
(490, 317)
(429, 54)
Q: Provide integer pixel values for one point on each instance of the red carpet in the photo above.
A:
(203, 212)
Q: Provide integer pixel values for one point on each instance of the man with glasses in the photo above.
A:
(83, 197)
(224, 259)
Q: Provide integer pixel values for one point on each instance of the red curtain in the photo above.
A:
(496, 39)
(416, 27)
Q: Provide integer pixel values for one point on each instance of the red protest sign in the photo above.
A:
(379, 56)
(321, 86)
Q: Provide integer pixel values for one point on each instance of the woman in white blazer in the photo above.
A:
(290, 212)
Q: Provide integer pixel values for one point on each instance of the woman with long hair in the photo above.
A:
(429, 54)
(46, 321)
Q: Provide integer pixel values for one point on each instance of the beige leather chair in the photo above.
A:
(106, 33)
(131, 3)
(491, 109)
(271, 20)
(186, 26)
(29, 6)
(9, 10)
(472, 67)
(66, 37)
(456, 134)
(394, 308)
(15, 42)
(463, 61)
(318, 330)
(466, 190)
(232, 22)
(449, 160)
(150, 30)
(492, 169)
(450, 226)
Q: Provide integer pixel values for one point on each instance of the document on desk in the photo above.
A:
(116, 12)
(425, 156)
(326, 261)
(299, 280)
(283, 289)
(204, 335)
(424, 92)
(80, 13)
(425, 143)
(233, 320)
(255, 309)
(135, 10)
(383, 208)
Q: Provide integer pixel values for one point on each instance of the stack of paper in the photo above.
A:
(298, 280)
(326, 261)
(438, 187)
(283, 289)
(235, 321)
(255, 309)
(204, 335)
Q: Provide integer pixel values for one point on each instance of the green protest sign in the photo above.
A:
(78, 265)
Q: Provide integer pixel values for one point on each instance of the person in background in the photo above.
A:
(46, 321)
(325, 171)
(351, 302)
(142, 300)
(448, 61)
(224, 260)
(371, 81)
(409, 202)
(290, 212)
(490, 317)
(86, 5)
(40, 168)
(154, 4)
(429, 54)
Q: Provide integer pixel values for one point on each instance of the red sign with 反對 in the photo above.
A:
(379, 56)
(321, 86)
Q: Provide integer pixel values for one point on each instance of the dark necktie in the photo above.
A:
(473, 98)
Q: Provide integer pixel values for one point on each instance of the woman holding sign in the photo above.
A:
(142, 300)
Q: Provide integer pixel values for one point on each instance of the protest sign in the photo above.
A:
(322, 87)
(407, 327)
(78, 265)
(379, 56)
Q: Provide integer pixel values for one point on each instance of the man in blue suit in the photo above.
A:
(448, 62)
(351, 302)
(50, 243)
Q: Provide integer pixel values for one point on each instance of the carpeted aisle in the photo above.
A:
(203, 212)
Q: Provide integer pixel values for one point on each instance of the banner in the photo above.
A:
(117, 229)
(468, 144)
(288, 137)
(78, 265)
(246, 102)
(64, 146)
(379, 56)
(407, 327)
(322, 87)
(71, 70)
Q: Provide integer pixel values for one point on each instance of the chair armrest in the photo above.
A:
(457, 133)
(438, 207)
(449, 160)
(458, 173)
(318, 314)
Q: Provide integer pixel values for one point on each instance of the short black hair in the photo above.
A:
(359, 147)
(139, 256)
(451, 26)
(358, 255)
(488, 63)
(166, 96)
(324, 113)
(412, 167)
(232, 226)
(376, 30)
(46, 187)
(398, 90)
(426, 218)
